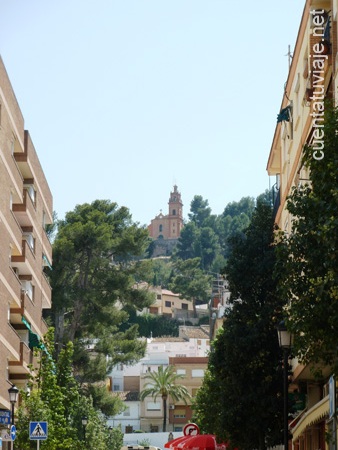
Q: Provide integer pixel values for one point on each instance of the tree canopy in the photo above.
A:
(244, 377)
(307, 267)
(56, 397)
(93, 280)
(165, 383)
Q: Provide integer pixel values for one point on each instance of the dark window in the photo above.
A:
(168, 304)
(184, 305)
(160, 228)
(174, 212)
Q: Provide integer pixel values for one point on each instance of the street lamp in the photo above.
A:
(84, 421)
(285, 343)
(13, 392)
(13, 398)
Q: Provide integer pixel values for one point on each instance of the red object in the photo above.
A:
(174, 442)
(198, 442)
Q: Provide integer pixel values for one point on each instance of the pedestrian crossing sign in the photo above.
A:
(38, 431)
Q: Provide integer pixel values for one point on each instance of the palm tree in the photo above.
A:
(163, 383)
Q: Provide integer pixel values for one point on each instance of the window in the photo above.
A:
(167, 304)
(194, 392)
(126, 412)
(28, 289)
(179, 414)
(174, 212)
(153, 406)
(184, 305)
(31, 192)
(159, 296)
(160, 228)
(28, 237)
(116, 387)
(197, 373)
(181, 371)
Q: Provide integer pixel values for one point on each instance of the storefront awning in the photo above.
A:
(314, 415)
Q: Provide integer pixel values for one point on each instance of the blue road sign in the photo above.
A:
(13, 432)
(38, 431)
(5, 416)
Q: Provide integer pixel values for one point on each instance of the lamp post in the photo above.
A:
(285, 343)
(84, 421)
(13, 393)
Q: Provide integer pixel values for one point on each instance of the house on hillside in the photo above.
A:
(128, 381)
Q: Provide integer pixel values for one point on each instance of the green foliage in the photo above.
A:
(244, 377)
(95, 270)
(199, 211)
(56, 398)
(206, 236)
(164, 384)
(307, 267)
(156, 326)
(190, 281)
(156, 272)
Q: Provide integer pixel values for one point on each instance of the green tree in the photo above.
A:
(190, 282)
(95, 267)
(56, 397)
(156, 325)
(244, 378)
(199, 211)
(307, 267)
(164, 384)
(186, 246)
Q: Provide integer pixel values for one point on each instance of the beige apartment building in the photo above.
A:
(312, 77)
(192, 369)
(169, 304)
(25, 251)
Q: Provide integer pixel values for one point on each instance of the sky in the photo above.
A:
(125, 98)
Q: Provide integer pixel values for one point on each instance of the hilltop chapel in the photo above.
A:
(166, 229)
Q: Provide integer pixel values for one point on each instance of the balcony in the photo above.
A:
(12, 341)
(13, 285)
(46, 292)
(26, 261)
(15, 232)
(25, 212)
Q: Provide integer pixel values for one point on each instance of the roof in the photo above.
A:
(201, 332)
(167, 339)
(167, 292)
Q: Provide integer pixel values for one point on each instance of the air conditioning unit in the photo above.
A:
(171, 406)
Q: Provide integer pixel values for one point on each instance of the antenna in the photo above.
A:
(289, 55)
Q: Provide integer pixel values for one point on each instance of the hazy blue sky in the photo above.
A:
(124, 98)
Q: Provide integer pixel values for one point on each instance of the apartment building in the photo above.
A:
(188, 353)
(192, 369)
(25, 251)
(312, 77)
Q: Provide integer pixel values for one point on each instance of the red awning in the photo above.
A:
(174, 442)
(198, 442)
